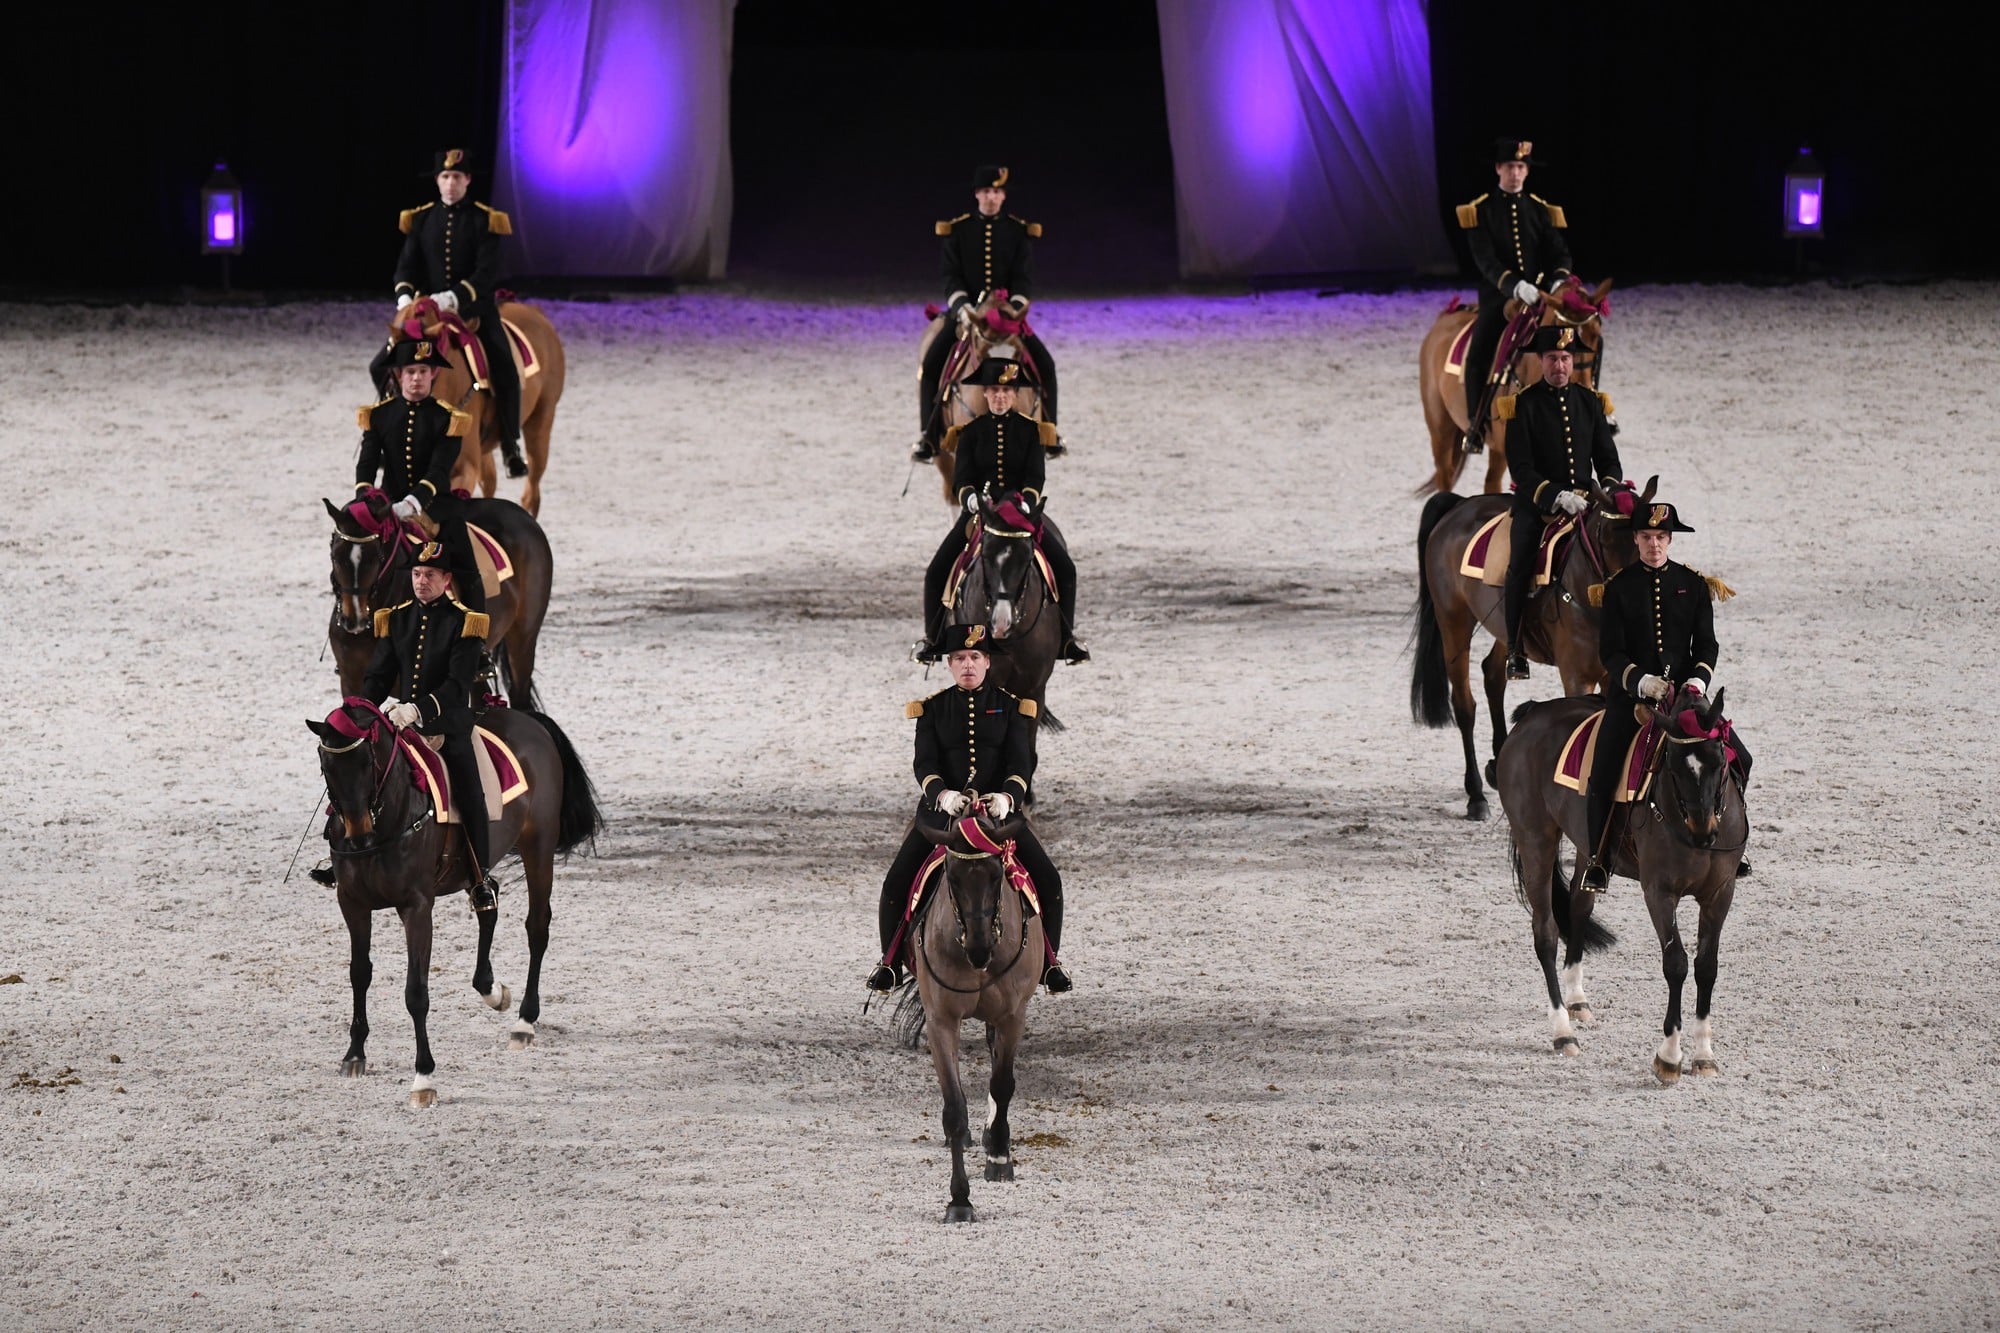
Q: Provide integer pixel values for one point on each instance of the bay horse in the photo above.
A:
(982, 960)
(1682, 840)
(1559, 626)
(371, 571)
(982, 326)
(540, 392)
(393, 855)
(1443, 394)
(1004, 590)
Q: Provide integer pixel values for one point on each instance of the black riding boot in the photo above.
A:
(378, 372)
(1064, 569)
(936, 574)
(930, 415)
(506, 385)
(1525, 544)
(1596, 876)
(889, 912)
(1048, 888)
(1485, 341)
(323, 872)
(471, 802)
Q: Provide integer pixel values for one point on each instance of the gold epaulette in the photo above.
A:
(1503, 407)
(362, 414)
(497, 222)
(1717, 589)
(914, 708)
(944, 228)
(1046, 430)
(461, 422)
(382, 619)
(1596, 594)
(1468, 214)
(1029, 708)
(1033, 228)
(1556, 218)
(950, 441)
(476, 622)
(1604, 401)
(408, 218)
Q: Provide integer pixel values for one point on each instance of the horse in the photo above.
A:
(371, 570)
(1004, 589)
(1443, 394)
(1682, 840)
(981, 961)
(393, 854)
(1558, 627)
(981, 327)
(541, 390)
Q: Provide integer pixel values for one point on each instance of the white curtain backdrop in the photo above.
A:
(1301, 133)
(614, 137)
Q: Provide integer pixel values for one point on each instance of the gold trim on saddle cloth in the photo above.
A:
(1586, 736)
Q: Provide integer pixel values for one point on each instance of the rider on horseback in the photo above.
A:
(427, 656)
(1517, 244)
(411, 440)
(1557, 440)
(984, 252)
(999, 452)
(1657, 638)
(977, 737)
(451, 253)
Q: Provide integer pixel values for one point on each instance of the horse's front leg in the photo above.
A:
(417, 998)
(943, 1034)
(1674, 963)
(1707, 958)
(1493, 667)
(482, 970)
(1581, 905)
(1458, 664)
(1536, 851)
(999, 1139)
(359, 973)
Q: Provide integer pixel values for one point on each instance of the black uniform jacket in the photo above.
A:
(982, 253)
(1000, 452)
(1657, 622)
(1557, 440)
(454, 248)
(428, 656)
(981, 739)
(1515, 236)
(412, 446)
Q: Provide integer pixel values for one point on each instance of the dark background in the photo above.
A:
(1665, 131)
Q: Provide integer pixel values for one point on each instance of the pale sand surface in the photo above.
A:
(1305, 1079)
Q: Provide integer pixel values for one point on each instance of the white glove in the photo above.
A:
(1654, 688)
(999, 804)
(446, 300)
(407, 508)
(403, 715)
(972, 502)
(1692, 684)
(404, 302)
(1526, 292)
(952, 803)
(1571, 503)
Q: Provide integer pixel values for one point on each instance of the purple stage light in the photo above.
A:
(1804, 192)
(222, 214)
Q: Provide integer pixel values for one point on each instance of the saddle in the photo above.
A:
(1008, 511)
(501, 777)
(1574, 760)
(463, 334)
(1487, 554)
(927, 877)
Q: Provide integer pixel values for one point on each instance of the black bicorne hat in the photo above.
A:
(451, 159)
(418, 352)
(1557, 338)
(1514, 150)
(432, 556)
(989, 177)
(1659, 518)
(998, 372)
(970, 638)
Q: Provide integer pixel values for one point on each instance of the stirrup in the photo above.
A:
(485, 895)
(1056, 979)
(510, 453)
(1517, 666)
(924, 651)
(883, 978)
(1475, 444)
(323, 873)
(923, 451)
(1073, 652)
(1595, 878)
(1058, 449)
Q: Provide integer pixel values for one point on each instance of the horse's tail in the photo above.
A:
(579, 820)
(1050, 722)
(1430, 686)
(1522, 711)
(1589, 934)
(908, 1016)
(531, 698)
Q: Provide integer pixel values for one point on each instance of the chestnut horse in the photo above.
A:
(1558, 627)
(540, 392)
(1443, 393)
(1683, 839)
(977, 336)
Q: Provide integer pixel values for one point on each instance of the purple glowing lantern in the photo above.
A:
(1804, 196)
(221, 214)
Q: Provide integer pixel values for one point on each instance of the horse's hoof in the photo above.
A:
(1582, 1014)
(1567, 1046)
(423, 1094)
(1000, 1168)
(958, 1212)
(354, 1066)
(1666, 1073)
(1476, 810)
(1492, 773)
(1705, 1069)
(521, 1036)
(501, 1001)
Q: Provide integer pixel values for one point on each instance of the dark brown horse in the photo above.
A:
(541, 390)
(371, 572)
(978, 954)
(976, 338)
(1005, 591)
(1446, 415)
(1682, 840)
(1559, 626)
(393, 855)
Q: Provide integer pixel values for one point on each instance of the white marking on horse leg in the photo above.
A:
(521, 1036)
(500, 999)
(1670, 1049)
(423, 1092)
(992, 1110)
(1701, 1049)
(1572, 980)
(1560, 1032)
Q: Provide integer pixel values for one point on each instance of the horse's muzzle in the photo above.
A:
(1705, 832)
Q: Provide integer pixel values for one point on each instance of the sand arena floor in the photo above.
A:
(1304, 1080)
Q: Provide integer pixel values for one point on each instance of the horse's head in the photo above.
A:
(357, 755)
(1610, 522)
(1697, 762)
(975, 878)
(1008, 530)
(367, 558)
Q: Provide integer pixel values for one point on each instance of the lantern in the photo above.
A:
(1804, 189)
(221, 214)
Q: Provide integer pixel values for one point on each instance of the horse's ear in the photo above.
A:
(1603, 290)
(1715, 704)
(1009, 828)
(937, 837)
(319, 729)
(1646, 496)
(333, 511)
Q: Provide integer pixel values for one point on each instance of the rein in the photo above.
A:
(1719, 733)
(984, 849)
(381, 776)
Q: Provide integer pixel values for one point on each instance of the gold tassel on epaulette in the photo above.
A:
(1046, 432)
(405, 219)
(476, 625)
(382, 622)
(950, 441)
(362, 415)
(461, 422)
(944, 229)
(1029, 708)
(1468, 216)
(1721, 591)
(1596, 594)
(1604, 400)
(1503, 407)
(498, 223)
(914, 708)
(1035, 229)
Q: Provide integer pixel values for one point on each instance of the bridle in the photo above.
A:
(988, 528)
(992, 977)
(381, 774)
(1718, 736)
(391, 561)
